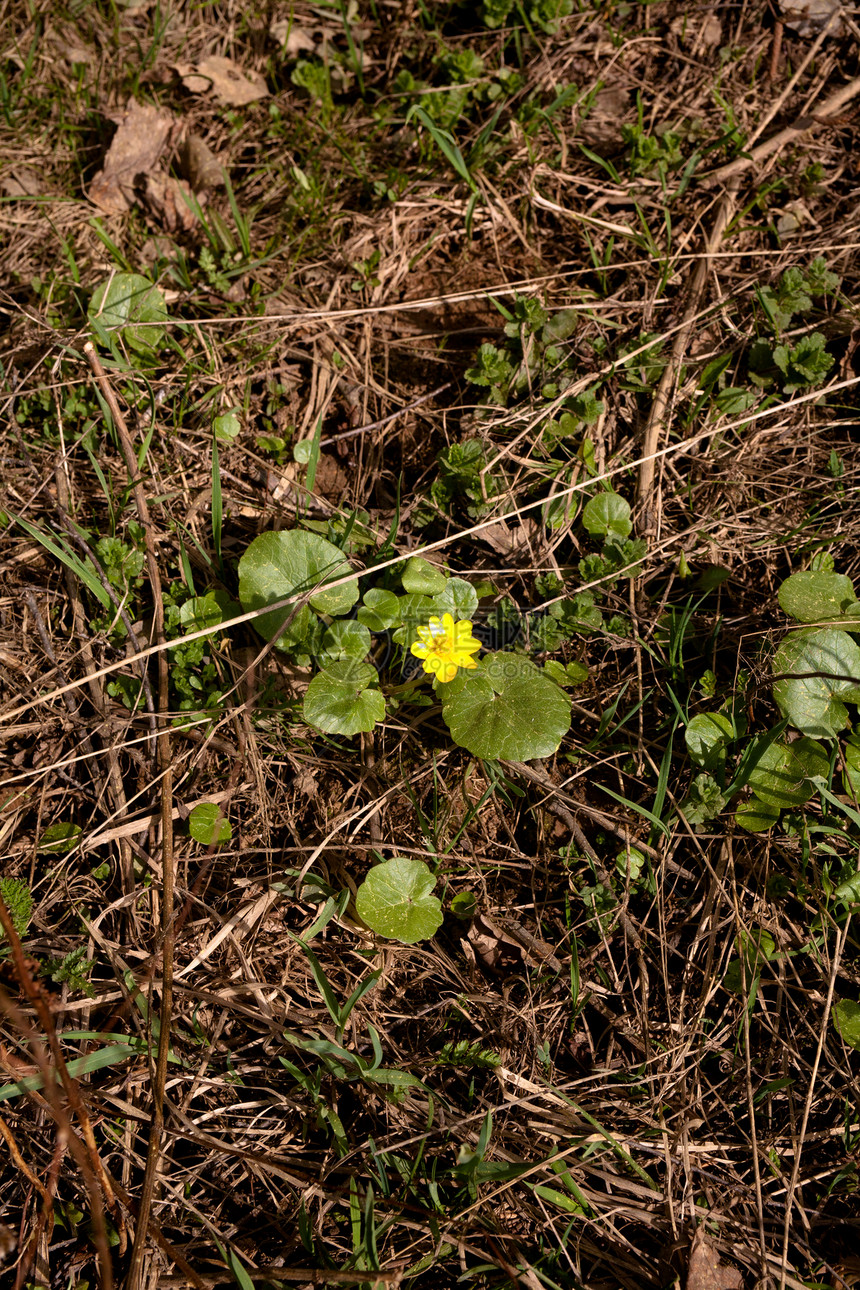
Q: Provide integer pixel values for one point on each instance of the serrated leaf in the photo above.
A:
(208, 826)
(420, 578)
(607, 515)
(132, 303)
(846, 1019)
(506, 707)
(824, 670)
(278, 565)
(458, 598)
(707, 737)
(339, 700)
(812, 597)
(396, 900)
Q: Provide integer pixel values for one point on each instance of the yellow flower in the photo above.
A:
(444, 645)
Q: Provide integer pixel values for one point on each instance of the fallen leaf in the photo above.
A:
(141, 137)
(199, 164)
(809, 17)
(22, 182)
(226, 79)
(292, 38)
(706, 1272)
(507, 541)
(162, 196)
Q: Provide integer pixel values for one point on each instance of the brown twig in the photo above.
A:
(164, 763)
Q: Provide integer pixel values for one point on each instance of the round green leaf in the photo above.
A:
(59, 838)
(607, 515)
(463, 905)
(346, 638)
(707, 737)
(812, 597)
(208, 826)
(420, 578)
(756, 816)
(459, 599)
(227, 426)
(277, 565)
(846, 1019)
(396, 900)
(825, 669)
(339, 702)
(132, 303)
(379, 610)
(506, 707)
(779, 777)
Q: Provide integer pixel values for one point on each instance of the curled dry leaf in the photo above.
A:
(142, 135)
(706, 1272)
(512, 542)
(294, 40)
(199, 164)
(165, 200)
(227, 80)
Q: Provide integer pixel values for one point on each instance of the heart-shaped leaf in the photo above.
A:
(339, 700)
(207, 825)
(707, 737)
(396, 900)
(133, 304)
(813, 597)
(507, 708)
(278, 565)
(823, 670)
(607, 515)
(458, 599)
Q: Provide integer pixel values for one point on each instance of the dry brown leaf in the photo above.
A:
(809, 17)
(141, 137)
(162, 196)
(200, 165)
(706, 1272)
(292, 38)
(227, 80)
(507, 541)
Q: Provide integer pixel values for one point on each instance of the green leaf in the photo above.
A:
(846, 1019)
(339, 699)
(458, 598)
(707, 737)
(756, 816)
(607, 515)
(420, 578)
(346, 639)
(19, 901)
(573, 674)
(208, 826)
(133, 304)
(806, 363)
(506, 707)
(59, 838)
(396, 900)
(810, 597)
(826, 668)
(779, 778)
(227, 426)
(380, 610)
(278, 565)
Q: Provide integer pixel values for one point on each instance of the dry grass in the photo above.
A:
(583, 1018)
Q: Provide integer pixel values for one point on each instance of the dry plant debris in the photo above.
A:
(536, 314)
